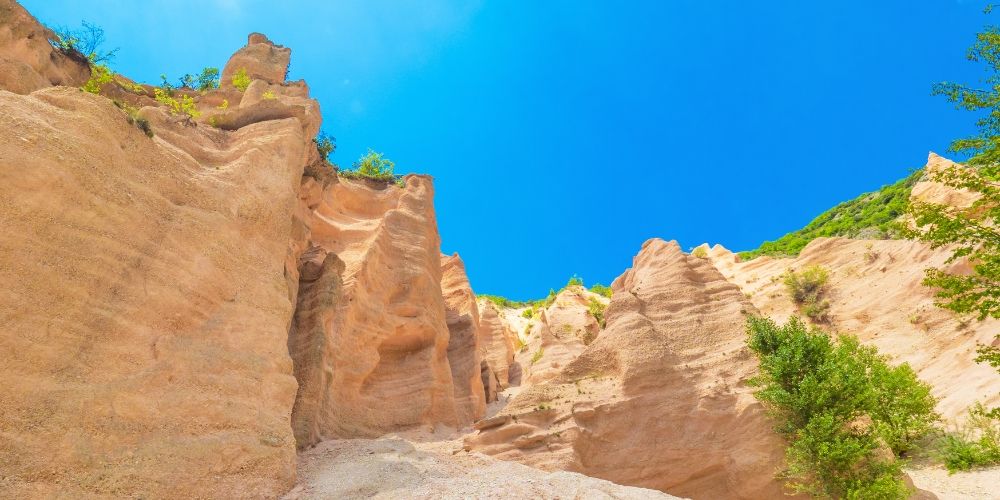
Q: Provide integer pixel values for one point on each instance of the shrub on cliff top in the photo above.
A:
(374, 166)
(840, 406)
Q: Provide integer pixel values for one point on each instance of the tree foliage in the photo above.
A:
(970, 232)
(840, 405)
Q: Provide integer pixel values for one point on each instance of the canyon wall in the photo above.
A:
(659, 399)
(183, 308)
(145, 307)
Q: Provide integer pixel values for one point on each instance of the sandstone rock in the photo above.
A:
(376, 344)
(261, 58)
(496, 341)
(462, 317)
(928, 191)
(144, 310)
(659, 399)
(555, 335)
(27, 60)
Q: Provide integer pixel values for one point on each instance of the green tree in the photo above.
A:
(971, 232)
(840, 405)
(208, 79)
(325, 145)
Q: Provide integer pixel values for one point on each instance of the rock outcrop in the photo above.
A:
(496, 343)
(260, 59)
(462, 316)
(659, 399)
(28, 62)
(375, 344)
(555, 335)
(145, 308)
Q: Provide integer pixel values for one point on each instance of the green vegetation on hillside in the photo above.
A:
(808, 290)
(871, 215)
(535, 305)
(841, 407)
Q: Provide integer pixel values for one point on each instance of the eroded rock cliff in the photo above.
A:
(659, 398)
(145, 308)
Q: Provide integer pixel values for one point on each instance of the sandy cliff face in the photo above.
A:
(165, 292)
(658, 399)
(372, 345)
(145, 309)
(462, 316)
(555, 335)
(496, 344)
(27, 60)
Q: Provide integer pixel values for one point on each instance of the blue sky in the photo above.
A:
(563, 134)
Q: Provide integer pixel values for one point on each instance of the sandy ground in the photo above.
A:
(431, 466)
(977, 484)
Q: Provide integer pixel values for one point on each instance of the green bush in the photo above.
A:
(977, 444)
(574, 281)
(602, 290)
(596, 309)
(374, 166)
(208, 79)
(183, 105)
(840, 405)
(325, 144)
(700, 252)
(241, 80)
(808, 289)
(873, 215)
(100, 74)
(528, 313)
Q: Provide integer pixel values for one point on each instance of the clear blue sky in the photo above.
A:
(563, 134)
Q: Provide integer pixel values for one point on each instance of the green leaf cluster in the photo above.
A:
(841, 407)
(181, 105)
(373, 166)
(241, 80)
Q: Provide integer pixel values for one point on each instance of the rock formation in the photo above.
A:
(165, 292)
(145, 308)
(876, 293)
(496, 343)
(378, 352)
(555, 335)
(463, 343)
(28, 61)
(659, 399)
